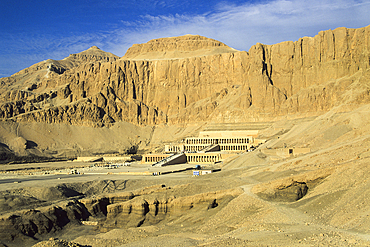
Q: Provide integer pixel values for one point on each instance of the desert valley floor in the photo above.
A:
(255, 200)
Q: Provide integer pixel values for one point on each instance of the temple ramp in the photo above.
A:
(171, 160)
(210, 148)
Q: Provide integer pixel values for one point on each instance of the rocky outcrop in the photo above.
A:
(307, 71)
(292, 188)
(46, 214)
(150, 205)
(183, 43)
(176, 48)
(192, 78)
(151, 209)
(33, 223)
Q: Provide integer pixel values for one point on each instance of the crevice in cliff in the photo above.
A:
(301, 50)
(266, 71)
(334, 48)
(266, 65)
(133, 90)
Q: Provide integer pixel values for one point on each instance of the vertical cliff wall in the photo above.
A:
(192, 78)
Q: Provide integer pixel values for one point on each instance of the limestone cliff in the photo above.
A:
(192, 78)
(176, 48)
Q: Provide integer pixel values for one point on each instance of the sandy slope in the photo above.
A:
(334, 212)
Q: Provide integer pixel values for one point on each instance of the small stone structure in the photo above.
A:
(154, 158)
(286, 152)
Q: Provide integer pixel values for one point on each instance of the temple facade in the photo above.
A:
(226, 141)
(209, 147)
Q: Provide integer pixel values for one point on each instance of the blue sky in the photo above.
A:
(33, 31)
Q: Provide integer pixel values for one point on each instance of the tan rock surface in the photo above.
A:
(176, 48)
(190, 78)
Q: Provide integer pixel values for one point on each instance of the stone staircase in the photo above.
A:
(170, 160)
(210, 148)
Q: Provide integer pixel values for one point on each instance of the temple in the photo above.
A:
(208, 147)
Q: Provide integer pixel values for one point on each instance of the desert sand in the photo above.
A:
(251, 202)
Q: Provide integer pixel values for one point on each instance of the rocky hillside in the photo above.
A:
(36, 94)
(193, 79)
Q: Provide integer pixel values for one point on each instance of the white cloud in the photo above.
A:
(244, 25)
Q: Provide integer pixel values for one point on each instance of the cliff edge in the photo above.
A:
(192, 79)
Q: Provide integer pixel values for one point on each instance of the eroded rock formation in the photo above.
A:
(121, 209)
(192, 78)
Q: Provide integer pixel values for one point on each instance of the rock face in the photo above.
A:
(146, 206)
(177, 48)
(191, 79)
(152, 205)
(32, 223)
(292, 188)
